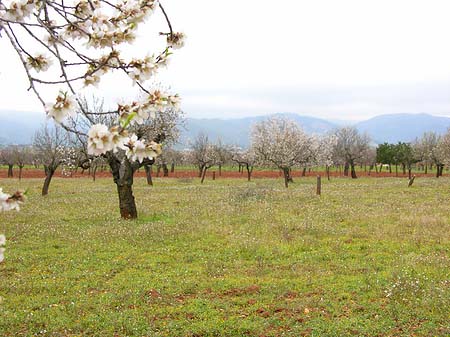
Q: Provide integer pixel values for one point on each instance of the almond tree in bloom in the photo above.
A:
(245, 158)
(203, 154)
(69, 45)
(50, 146)
(323, 149)
(280, 142)
(350, 148)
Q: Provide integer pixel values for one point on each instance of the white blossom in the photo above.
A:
(63, 107)
(100, 140)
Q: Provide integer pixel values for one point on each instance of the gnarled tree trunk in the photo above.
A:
(123, 172)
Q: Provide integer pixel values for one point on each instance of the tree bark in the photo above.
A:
(165, 170)
(203, 174)
(123, 172)
(10, 171)
(249, 172)
(49, 172)
(353, 172)
(20, 172)
(346, 167)
(148, 174)
(220, 170)
(172, 168)
(304, 172)
(286, 177)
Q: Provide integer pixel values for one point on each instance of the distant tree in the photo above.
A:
(49, 144)
(385, 154)
(203, 154)
(427, 151)
(223, 154)
(23, 155)
(406, 156)
(280, 142)
(350, 147)
(7, 157)
(245, 158)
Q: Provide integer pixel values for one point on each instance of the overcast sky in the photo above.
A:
(347, 59)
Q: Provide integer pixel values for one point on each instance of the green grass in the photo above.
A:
(370, 257)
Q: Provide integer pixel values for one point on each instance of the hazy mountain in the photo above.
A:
(402, 127)
(19, 127)
(237, 131)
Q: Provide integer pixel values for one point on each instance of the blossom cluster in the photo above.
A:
(11, 202)
(84, 40)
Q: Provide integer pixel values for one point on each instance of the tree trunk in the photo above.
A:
(172, 168)
(426, 168)
(346, 169)
(20, 172)
(390, 168)
(249, 172)
(404, 168)
(396, 170)
(148, 174)
(304, 172)
(123, 172)
(49, 172)
(94, 172)
(203, 174)
(158, 170)
(201, 168)
(353, 171)
(286, 176)
(10, 171)
(165, 170)
(220, 170)
(409, 172)
(328, 172)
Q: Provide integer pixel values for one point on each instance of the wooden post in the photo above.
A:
(214, 175)
(319, 185)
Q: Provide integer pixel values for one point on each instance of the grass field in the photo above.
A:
(370, 257)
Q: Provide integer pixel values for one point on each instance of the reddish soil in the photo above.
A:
(39, 173)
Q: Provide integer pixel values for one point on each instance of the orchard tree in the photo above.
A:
(245, 158)
(223, 154)
(50, 148)
(280, 142)
(428, 151)
(323, 148)
(202, 154)
(7, 157)
(23, 155)
(351, 147)
(71, 44)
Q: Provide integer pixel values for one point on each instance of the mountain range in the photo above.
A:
(384, 128)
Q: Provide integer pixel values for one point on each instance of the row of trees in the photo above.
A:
(277, 143)
(430, 150)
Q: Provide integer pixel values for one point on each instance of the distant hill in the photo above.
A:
(237, 131)
(19, 127)
(402, 127)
